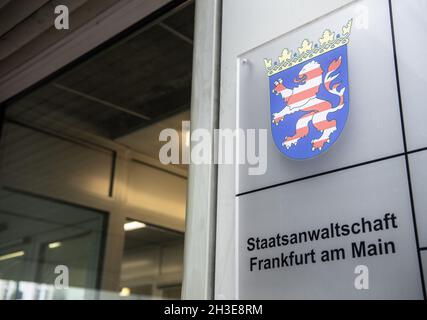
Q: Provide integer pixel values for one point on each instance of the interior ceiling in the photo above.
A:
(146, 140)
(124, 93)
(151, 236)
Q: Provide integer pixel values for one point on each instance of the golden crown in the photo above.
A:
(308, 50)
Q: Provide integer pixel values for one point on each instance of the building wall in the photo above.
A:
(291, 194)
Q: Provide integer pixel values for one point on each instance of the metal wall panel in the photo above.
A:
(417, 163)
(343, 197)
(373, 127)
(410, 25)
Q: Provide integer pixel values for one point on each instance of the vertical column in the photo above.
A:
(199, 251)
(113, 250)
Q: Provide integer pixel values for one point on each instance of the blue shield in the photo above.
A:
(309, 104)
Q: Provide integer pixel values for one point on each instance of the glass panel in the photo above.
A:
(85, 144)
(38, 235)
(152, 261)
(73, 252)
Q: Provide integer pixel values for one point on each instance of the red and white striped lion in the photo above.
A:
(304, 98)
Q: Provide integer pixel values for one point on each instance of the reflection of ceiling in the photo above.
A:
(152, 256)
(143, 80)
(146, 140)
(151, 236)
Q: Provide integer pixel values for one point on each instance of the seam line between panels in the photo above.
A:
(320, 174)
(331, 171)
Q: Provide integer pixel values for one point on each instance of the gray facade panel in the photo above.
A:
(357, 195)
(373, 128)
(418, 169)
(410, 27)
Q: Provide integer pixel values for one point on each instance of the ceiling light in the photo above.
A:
(54, 245)
(125, 292)
(133, 225)
(187, 138)
(12, 255)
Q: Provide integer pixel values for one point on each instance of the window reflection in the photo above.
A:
(39, 234)
(152, 261)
